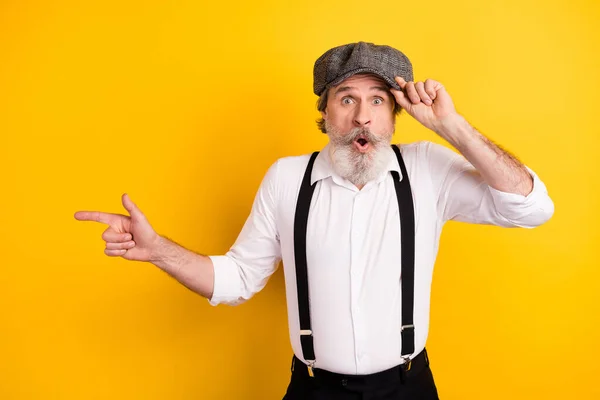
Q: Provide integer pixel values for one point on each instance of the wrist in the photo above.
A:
(449, 124)
(158, 249)
(456, 130)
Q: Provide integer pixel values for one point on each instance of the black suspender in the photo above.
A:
(300, 225)
(407, 228)
(407, 238)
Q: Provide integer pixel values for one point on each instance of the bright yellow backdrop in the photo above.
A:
(184, 105)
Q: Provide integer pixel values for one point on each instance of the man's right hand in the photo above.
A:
(131, 237)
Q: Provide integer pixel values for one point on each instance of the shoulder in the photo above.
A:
(293, 163)
(291, 167)
(414, 151)
(413, 147)
(288, 170)
(284, 178)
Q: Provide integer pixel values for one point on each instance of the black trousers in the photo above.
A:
(395, 383)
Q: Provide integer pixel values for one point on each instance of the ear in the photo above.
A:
(324, 114)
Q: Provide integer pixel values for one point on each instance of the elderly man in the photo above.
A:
(357, 226)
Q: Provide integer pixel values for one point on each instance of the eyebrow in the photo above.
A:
(349, 88)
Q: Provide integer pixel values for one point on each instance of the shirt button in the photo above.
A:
(344, 382)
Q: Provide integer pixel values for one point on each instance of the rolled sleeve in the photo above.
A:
(525, 211)
(227, 283)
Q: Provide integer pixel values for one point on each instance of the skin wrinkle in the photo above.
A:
(349, 88)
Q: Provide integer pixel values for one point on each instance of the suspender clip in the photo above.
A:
(407, 363)
(308, 332)
(310, 368)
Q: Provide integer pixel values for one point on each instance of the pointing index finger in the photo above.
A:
(105, 218)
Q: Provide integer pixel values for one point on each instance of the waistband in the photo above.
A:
(399, 373)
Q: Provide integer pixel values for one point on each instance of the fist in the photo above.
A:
(427, 102)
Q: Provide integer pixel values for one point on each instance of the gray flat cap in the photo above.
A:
(342, 62)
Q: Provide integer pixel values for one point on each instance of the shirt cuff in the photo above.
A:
(227, 283)
(527, 211)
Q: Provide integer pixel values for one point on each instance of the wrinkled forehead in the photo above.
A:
(366, 78)
(366, 81)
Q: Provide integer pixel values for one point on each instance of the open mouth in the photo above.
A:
(361, 144)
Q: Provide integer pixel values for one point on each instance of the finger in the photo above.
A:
(105, 218)
(411, 92)
(130, 206)
(401, 81)
(114, 253)
(430, 88)
(420, 86)
(401, 99)
(110, 235)
(120, 246)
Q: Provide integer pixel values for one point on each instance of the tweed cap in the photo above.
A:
(342, 62)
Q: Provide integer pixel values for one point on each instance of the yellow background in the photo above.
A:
(184, 105)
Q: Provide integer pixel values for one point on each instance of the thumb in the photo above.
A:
(130, 206)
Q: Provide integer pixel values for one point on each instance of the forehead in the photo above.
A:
(360, 82)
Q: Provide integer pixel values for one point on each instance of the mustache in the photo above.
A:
(356, 133)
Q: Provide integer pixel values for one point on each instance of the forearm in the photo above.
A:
(498, 168)
(194, 271)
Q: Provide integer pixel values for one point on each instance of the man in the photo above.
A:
(357, 226)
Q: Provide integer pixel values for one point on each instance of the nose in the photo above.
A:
(362, 117)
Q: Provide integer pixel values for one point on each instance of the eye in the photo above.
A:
(347, 100)
(378, 101)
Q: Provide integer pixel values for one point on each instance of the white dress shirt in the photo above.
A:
(353, 248)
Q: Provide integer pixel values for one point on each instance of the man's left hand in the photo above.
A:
(427, 102)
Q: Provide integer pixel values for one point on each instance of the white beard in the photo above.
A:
(359, 168)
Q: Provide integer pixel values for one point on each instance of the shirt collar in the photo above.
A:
(323, 168)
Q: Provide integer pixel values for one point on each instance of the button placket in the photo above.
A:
(358, 232)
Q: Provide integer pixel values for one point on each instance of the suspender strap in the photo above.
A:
(300, 225)
(407, 229)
